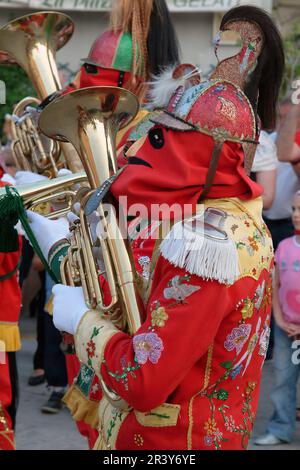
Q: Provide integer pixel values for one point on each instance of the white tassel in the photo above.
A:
(199, 254)
(163, 86)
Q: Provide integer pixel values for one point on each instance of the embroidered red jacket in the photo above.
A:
(191, 374)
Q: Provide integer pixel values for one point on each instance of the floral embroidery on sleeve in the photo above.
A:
(91, 346)
(147, 346)
(238, 338)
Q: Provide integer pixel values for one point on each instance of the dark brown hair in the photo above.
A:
(265, 82)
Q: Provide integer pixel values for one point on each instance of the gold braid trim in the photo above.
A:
(205, 384)
(81, 408)
(10, 336)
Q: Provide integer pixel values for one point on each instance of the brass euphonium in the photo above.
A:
(44, 192)
(90, 119)
(31, 42)
(31, 150)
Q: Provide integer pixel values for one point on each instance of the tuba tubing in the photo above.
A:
(94, 117)
(31, 41)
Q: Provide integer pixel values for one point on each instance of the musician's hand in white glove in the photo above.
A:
(68, 307)
(7, 178)
(64, 172)
(27, 177)
(47, 232)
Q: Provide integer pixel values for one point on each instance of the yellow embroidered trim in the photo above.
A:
(205, 384)
(10, 336)
(162, 416)
(110, 420)
(81, 408)
(244, 218)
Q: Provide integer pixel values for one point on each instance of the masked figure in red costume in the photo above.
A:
(189, 377)
(10, 306)
(140, 42)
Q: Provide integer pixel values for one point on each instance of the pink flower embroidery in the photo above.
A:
(237, 338)
(147, 346)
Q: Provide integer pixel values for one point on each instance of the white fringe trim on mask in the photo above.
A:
(163, 86)
(198, 253)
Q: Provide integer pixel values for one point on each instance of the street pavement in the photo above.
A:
(38, 431)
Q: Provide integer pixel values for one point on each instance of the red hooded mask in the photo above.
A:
(169, 167)
(169, 161)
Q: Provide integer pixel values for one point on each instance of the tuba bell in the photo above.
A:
(94, 115)
(31, 42)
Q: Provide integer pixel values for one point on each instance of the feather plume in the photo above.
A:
(163, 86)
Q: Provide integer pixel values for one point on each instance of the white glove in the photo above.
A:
(64, 172)
(27, 177)
(6, 178)
(68, 307)
(47, 232)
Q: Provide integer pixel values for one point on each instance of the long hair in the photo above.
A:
(265, 82)
(153, 34)
(162, 44)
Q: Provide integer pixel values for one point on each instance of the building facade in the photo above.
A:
(196, 22)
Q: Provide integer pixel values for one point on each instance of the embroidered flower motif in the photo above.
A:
(91, 347)
(247, 310)
(138, 440)
(159, 317)
(218, 435)
(144, 262)
(237, 338)
(259, 295)
(147, 346)
(178, 290)
(264, 340)
(210, 426)
(222, 394)
(267, 300)
(253, 243)
(234, 228)
(250, 388)
(208, 441)
(95, 388)
(230, 424)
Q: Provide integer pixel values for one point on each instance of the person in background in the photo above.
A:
(286, 309)
(264, 169)
(278, 216)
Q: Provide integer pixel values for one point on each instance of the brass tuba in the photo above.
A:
(31, 150)
(31, 42)
(49, 192)
(94, 115)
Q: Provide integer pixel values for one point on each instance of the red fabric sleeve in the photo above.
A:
(183, 315)
(297, 138)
